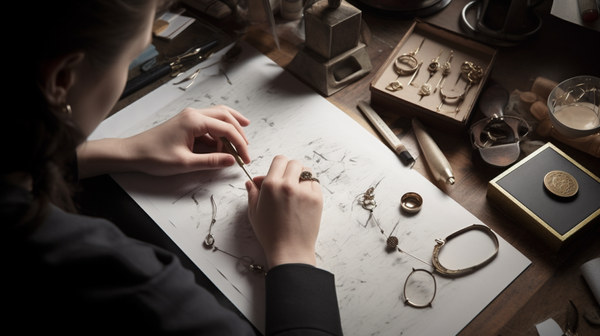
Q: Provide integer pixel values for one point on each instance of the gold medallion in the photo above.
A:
(561, 183)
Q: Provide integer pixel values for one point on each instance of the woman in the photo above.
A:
(76, 274)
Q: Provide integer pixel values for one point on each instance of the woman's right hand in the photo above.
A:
(285, 213)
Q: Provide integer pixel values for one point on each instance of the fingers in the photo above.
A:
(290, 170)
(253, 194)
(252, 198)
(208, 161)
(285, 213)
(228, 115)
(258, 180)
(219, 121)
(293, 171)
(217, 128)
(277, 168)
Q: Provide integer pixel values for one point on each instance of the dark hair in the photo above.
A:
(40, 139)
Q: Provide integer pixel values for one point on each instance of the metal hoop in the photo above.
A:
(459, 272)
(413, 304)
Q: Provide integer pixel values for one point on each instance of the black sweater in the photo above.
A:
(82, 275)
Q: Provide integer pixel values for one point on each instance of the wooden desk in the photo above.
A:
(560, 51)
(543, 290)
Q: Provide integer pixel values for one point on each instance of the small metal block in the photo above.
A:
(332, 31)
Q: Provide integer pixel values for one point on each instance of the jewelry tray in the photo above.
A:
(407, 101)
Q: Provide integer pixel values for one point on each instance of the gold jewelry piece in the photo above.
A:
(411, 303)
(459, 272)
(415, 74)
(446, 69)
(192, 77)
(408, 59)
(307, 176)
(67, 109)
(425, 90)
(433, 67)
(368, 203)
(473, 73)
(209, 241)
(396, 85)
(561, 183)
(411, 202)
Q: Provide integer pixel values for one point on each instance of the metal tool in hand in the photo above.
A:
(231, 149)
(433, 67)
(407, 59)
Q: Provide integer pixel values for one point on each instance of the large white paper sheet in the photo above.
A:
(289, 118)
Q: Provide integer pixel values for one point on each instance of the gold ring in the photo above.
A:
(409, 60)
(411, 202)
(307, 176)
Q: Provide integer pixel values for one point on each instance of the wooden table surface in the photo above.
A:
(559, 51)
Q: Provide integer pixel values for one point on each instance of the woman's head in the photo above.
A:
(88, 51)
(76, 54)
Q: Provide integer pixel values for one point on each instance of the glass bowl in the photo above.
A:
(574, 106)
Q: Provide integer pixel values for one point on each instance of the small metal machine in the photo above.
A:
(332, 57)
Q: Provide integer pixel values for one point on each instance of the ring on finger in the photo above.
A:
(307, 176)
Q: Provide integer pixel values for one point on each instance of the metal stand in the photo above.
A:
(332, 56)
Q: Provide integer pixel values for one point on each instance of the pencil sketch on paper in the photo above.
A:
(289, 118)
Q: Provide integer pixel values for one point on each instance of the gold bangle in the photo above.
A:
(459, 272)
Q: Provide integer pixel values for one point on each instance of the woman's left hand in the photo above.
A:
(168, 148)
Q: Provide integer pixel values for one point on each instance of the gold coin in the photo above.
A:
(561, 183)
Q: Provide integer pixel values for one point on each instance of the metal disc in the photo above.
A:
(561, 183)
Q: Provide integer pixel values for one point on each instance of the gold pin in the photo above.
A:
(445, 71)
(433, 67)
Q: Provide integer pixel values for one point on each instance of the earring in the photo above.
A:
(67, 109)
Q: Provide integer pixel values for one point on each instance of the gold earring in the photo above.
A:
(67, 109)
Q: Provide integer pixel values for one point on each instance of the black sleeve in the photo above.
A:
(82, 276)
(301, 300)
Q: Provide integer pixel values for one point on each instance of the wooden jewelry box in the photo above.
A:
(521, 193)
(434, 45)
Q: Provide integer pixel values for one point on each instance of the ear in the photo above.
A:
(58, 76)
